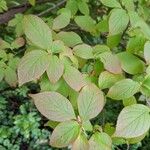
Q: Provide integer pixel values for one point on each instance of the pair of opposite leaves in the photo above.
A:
(133, 121)
(56, 107)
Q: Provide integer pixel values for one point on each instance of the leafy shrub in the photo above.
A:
(20, 125)
(85, 62)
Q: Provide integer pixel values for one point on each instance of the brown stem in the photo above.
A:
(5, 17)
(52, 8)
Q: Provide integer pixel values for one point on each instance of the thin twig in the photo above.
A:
(52, 8)
(5, 17)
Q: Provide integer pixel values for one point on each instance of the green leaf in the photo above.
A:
(4, 44)
(17, 22)
(111, 62)
(32, 66)
(54, 106)
(100, 141)
(62, 20)
(99, 49)
(123, 89)
(73, 78)
(17, 43)
(83, 7)
(133, 121)
(2, 74)
(90, 102)
(57, 46)
(11, 76)
(107, 79)
(145, 87)
(148, 70)
(113, 40)
(3, 6)
(130, 63)
(87, 126)
(46, 85)
(137, 139)
(83, 51)
(51, 124)
(97, 68)
(55, 69)
(86, 23)
(147, 52)
(73, 6)
(138, 22)
(111, 3)
(128, 4)
(136, 44)
(32, 2)
(69, 38)
(37, 31)
(81, 143)
(64, 134)
(129, 101)
(102, 26)
(118, 21)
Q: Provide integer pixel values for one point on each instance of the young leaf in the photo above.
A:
(32, 2)
(102, 26)
(62, 20)
(32, 66)
(107, 79)
(83, 7)
(111, 62)
(86, 23)
(55, 69)
(73, 78)
(147, 52)
(118, 21)
(37, 31)
(129, 101)
(19, 42)
(133, 121)
(100, 141)
(111, 3)
(90, 102)
(54, 106)
(83, 51)
(69, 38)
(123, 89)
(81, 143)
(64, 134)
(130, 63)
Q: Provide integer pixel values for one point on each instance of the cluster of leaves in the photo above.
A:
(77, 79)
